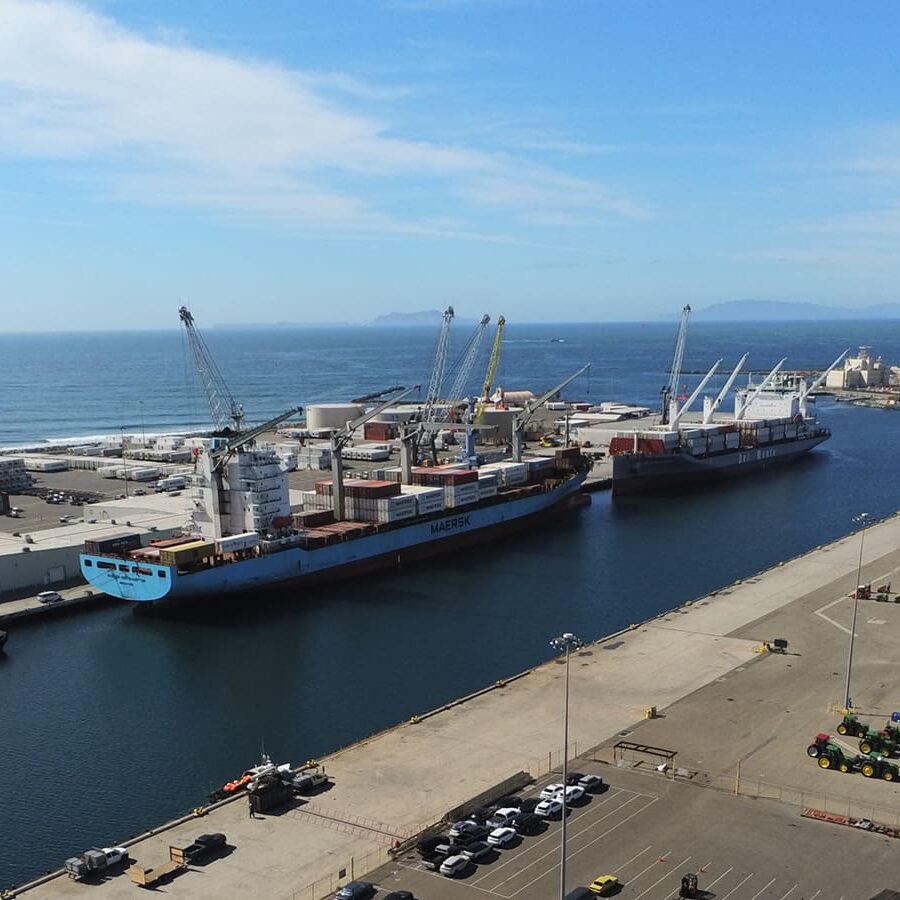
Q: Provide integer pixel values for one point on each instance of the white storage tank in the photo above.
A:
(322, 416)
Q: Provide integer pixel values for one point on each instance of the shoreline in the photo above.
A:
(696, 642)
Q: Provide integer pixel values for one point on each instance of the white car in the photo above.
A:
(454, 865)
(548, 809)
(502, 817)
(573, 794)
(49, 597)
(549, 792)
(502, 837)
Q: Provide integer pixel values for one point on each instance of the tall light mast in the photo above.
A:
(670, 391)
(227, 413)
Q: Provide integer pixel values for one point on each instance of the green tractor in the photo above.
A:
(878, 742)
(830, 756)
(879, 767)
(893, 732)
(851, 725)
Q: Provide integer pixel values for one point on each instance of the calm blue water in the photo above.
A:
(112, 722)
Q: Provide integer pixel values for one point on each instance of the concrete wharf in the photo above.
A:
(737, 719)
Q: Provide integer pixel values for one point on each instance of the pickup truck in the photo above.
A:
(94, 861)
(309, 782)
(203, 844)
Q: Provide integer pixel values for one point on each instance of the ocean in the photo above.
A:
(115, 722)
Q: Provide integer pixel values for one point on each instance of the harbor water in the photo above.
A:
(114, 722)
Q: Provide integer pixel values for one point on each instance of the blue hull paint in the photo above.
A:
(147, 582)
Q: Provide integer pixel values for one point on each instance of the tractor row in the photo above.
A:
(830, 756)
(885, 742)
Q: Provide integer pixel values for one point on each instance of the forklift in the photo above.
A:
(689, 886)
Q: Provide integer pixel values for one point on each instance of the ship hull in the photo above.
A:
(147, 583)
(645, 474)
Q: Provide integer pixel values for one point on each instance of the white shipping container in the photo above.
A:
(236, 542)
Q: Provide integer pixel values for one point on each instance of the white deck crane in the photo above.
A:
(531, 407)
(690, 400)
(709, 409)
(340, 439)
(670, 391)
(749, 398)
(491, 374)
(226, 412)
(804, 394)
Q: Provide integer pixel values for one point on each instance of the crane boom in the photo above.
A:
(225, 450)
(339, 440)
(670, 391)
(698, 390)
(531, 407)
(466, 364)
(439, 366)
(226, 412)
(807, 391)
(491, 374)
(711, 410)
(739, 414)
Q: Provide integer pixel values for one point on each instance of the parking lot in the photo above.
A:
(650, 831)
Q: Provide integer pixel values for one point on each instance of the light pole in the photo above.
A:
(565, 643)
(143, 429)
(862, 520)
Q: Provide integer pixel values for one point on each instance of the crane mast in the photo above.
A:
(491, 374)
(227, 413)
(670, 391)
(466, 364)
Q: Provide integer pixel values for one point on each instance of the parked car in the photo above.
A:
(549, 809)
(509, 801)
(502, 837)
(592, 784)
(482, 814)
(550, 791)
(49, 597)
(528, 805)
(604, 885)
(139, 492)
(528, 823)
(309, 782)
(503, 817)
(425, 846)
(454, 865)
(580, 893)
(466, 832)
(433, 862)
(476, 850)
(573, 794)
(356, 890)
(574, 777)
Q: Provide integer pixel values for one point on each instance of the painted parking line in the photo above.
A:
(589, 844)
(791, 891)
(816, 894)
(739, 886)
(669, 874)
(625, 865)
(571, 835)
(712, 884)
(759, 893)
(820, 612)
(656, 862)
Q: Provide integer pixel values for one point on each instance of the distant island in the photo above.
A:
(787, 311)
(429, 317)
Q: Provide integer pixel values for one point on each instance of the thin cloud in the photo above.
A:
(162, 122)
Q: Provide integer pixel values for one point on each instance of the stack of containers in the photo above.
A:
(460, 485)
(488, 485)
(428, 499)
(538, 466)
(367, 501)
(510, 473)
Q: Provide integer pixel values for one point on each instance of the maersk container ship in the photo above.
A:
(245, 538)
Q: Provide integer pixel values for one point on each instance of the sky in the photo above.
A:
(548, 160)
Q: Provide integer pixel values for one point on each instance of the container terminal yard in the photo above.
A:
(698, 721)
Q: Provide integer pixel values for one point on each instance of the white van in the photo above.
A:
(49, 597)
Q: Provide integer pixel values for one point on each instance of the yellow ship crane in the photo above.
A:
(491, 373)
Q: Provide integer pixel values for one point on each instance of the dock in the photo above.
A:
(734, 716)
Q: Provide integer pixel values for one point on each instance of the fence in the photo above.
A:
(329, 884)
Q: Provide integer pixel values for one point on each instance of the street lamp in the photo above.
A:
(862, 520)
(565, 644)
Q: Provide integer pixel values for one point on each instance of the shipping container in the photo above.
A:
(186, 553)
(235, 542)
(116, 543)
